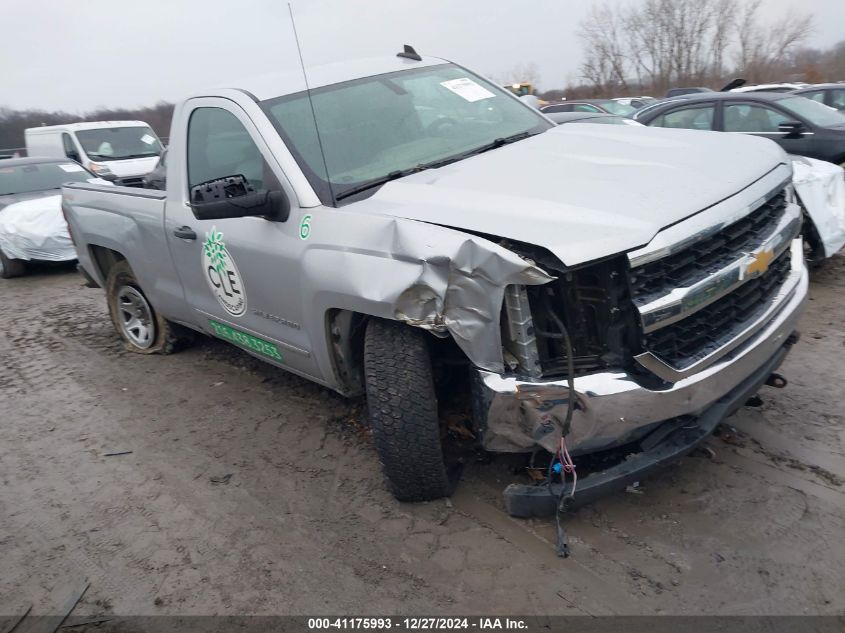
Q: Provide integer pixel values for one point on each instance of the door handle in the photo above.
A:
(185, 233)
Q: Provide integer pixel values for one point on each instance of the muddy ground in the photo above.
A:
(250, 491)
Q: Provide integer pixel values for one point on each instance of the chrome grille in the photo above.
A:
(707, 256)
(686, 342)
(699, 298)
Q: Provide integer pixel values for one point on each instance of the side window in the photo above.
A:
(69, 147)
(838, 99)
(700, 118)
(585, 107)
(219, 146)
(554, 108)
(816, 95)
(752, 119)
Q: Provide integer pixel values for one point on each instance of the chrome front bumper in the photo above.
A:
(613, 408)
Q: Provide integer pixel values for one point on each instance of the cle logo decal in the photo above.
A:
(222, 274)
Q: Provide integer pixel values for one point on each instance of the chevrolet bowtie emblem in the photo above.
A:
(760, 264)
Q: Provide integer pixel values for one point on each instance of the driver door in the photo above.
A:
(240, 275)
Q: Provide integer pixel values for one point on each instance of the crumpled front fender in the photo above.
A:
(428, 276)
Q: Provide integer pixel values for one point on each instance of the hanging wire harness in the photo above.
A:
(562, 464)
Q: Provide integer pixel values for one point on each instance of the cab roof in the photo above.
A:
(291, 81)
(87, 125)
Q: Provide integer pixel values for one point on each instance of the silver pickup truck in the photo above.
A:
(403, 228)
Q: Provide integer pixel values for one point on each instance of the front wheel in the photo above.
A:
(11, 267)
(813, 246)
(142, 329)
(403, 411)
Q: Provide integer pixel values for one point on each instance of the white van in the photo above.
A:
(120, 151)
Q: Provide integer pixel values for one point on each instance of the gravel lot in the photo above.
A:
(250, 491)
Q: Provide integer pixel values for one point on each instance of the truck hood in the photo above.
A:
(583, 191)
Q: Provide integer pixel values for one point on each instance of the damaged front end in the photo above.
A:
(664, 343)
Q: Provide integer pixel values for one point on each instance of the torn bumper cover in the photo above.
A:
(821, 188)
(679, 438)
(612, 409)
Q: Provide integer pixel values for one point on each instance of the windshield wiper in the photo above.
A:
(377, 182)
(494, 144)
(497, 143)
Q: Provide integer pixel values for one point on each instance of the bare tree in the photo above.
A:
(522, 72)
(655, 44)
(606, 59)
(763, 48)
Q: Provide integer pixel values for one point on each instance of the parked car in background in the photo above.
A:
(790, 87)
(832, 95)
(635, 102)
(677, 92)
(120, 151)
(590, 117)
(157, 178)
(607, 106)
(801, 126)
(31, 224)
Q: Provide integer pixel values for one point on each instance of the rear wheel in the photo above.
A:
(11, 267)
(142, 329)
(403, 411)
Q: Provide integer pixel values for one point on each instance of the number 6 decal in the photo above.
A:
(305, 227)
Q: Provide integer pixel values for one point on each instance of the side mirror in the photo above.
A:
(791, 128)
(234, 197)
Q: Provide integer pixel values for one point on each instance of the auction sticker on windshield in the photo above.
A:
(222, 274)
(467, 89)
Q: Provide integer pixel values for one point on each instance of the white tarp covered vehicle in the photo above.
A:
(820, 187)
(32, 227)
(35, 230)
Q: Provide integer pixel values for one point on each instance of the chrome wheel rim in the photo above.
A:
(136, 317)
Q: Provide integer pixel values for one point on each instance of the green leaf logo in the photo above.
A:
(215, 249)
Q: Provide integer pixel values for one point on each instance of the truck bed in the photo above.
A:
(129, 221)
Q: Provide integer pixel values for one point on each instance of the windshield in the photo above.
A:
(614, 107)
(39, 177)
(119, 143)
(813, 111)
(384, 125)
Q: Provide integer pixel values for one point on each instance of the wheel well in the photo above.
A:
(345, 332)
(104, 258)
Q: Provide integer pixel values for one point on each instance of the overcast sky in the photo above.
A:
(79, 55)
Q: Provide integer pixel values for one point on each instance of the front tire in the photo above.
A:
(403, 411)
(11, 267)
(141, 328)
(813, 246)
